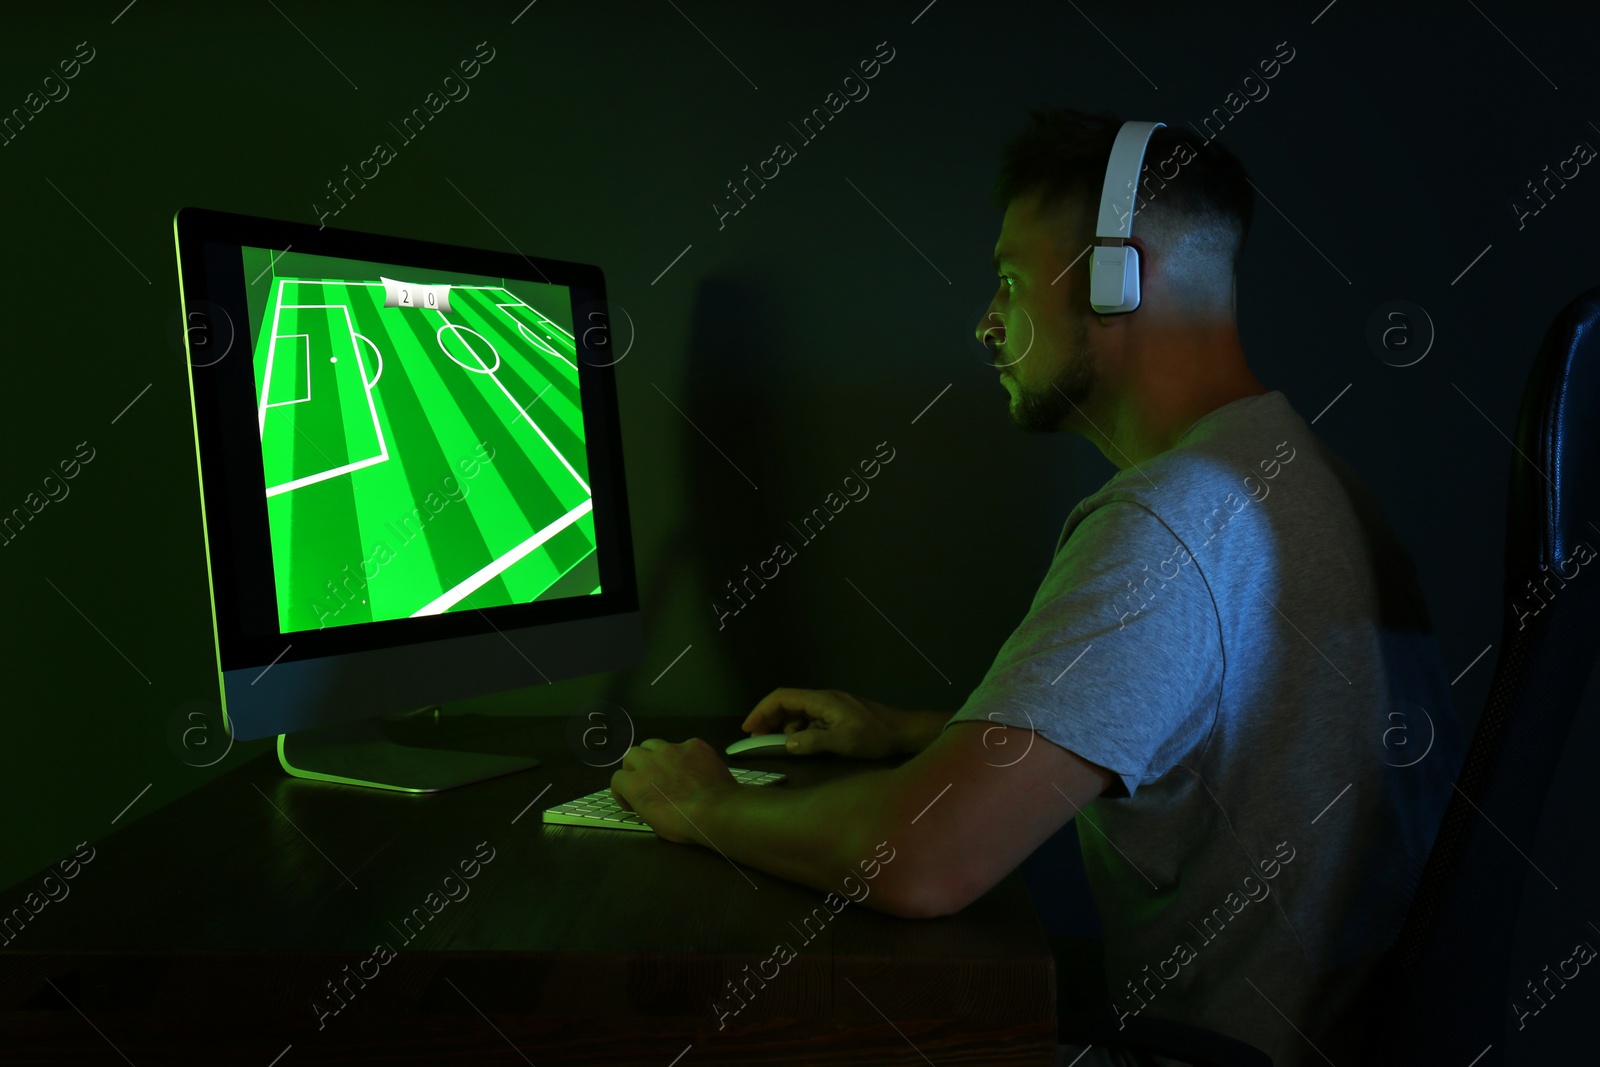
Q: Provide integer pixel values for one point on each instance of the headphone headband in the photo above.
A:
(1113, 264)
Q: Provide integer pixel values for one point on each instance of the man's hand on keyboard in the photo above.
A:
(666, 782)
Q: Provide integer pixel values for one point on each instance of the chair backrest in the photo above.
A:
(1441, 996)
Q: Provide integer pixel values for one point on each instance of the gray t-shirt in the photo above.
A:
(1233, 629)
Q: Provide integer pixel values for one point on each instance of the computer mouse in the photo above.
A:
(760, 745)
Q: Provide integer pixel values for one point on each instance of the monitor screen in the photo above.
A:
(412, 488)
(422, 440)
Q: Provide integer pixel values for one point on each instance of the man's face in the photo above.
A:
(1034, 326)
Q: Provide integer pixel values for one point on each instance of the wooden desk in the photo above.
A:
(203, 933)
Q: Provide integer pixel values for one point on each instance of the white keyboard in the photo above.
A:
(600, 809)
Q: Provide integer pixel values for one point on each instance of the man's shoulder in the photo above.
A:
(1229, 456)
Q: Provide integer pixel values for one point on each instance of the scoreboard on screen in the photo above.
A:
(406, 295)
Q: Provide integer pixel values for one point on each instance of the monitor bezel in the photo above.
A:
(228, 448)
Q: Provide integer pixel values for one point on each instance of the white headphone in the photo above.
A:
(1114, 264)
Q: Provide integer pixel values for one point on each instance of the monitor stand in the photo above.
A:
(362, 753)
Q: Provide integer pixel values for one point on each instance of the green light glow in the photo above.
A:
(418, 461)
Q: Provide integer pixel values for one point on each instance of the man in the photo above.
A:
(1226, 677)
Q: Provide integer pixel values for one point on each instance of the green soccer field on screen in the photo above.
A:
(422, 441)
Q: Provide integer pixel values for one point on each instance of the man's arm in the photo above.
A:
(916, 730)
(958, 818)
(981, 796)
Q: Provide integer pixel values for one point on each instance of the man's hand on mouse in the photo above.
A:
(828, 720)
(667, 783)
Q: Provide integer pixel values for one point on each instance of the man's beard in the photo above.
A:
(1043, 411)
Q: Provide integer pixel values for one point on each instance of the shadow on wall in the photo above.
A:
(741, 393)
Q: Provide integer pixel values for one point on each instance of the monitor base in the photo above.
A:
(361, 753)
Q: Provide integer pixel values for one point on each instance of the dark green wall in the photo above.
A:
(803, 332)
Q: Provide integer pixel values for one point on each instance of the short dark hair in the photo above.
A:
(1063, 155)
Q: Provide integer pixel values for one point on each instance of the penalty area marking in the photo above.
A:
(532, 338)
(520, 303)
(377, 427)
(298, 399)
(520, 409)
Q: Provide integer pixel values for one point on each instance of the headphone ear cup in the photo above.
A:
(1130, 280)
(1114, 287)
(1107, 271)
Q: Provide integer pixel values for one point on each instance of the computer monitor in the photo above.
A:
(411, 485)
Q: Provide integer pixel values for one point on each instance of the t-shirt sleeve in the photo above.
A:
(1119, 659)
